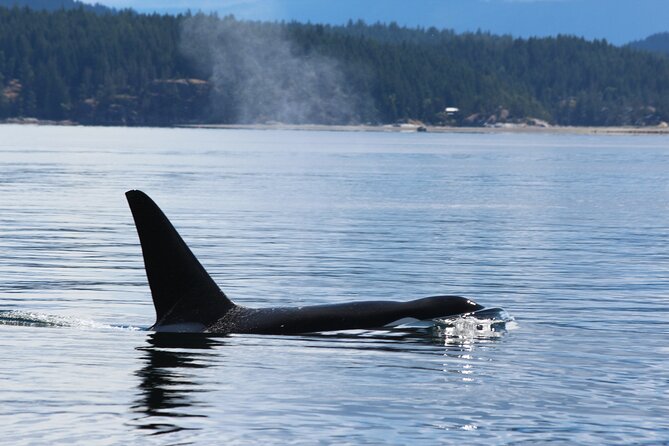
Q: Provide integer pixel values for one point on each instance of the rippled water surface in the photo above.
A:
(568, 234)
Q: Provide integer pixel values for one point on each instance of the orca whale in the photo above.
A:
(187, 299)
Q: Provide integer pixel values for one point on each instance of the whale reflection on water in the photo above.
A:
(183, 377)
(169, 384)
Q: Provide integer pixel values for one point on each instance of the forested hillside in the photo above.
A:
(136, 69)
(54, 5)
(112, 69)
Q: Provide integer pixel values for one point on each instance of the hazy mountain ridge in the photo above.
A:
(657, 43)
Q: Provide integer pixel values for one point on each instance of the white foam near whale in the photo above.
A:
(33, 319)
(490, 323)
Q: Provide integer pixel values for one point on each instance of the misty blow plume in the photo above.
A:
(258, 74)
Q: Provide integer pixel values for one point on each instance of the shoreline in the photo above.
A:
(388, 128)
(441, 129)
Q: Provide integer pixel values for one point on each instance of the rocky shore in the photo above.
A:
(401, 128)
(507, 128)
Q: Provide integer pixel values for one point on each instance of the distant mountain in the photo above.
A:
(54, 5)
(657, 43)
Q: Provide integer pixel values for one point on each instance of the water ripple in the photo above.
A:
(567, 233)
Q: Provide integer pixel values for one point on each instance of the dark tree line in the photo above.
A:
(54, 5)
(129, 68)
(92, 68)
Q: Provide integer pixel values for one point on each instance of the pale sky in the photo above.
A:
(619, 21)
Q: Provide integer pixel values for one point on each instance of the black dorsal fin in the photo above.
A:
(182, 290)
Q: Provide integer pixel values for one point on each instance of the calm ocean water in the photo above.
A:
(569, 234)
